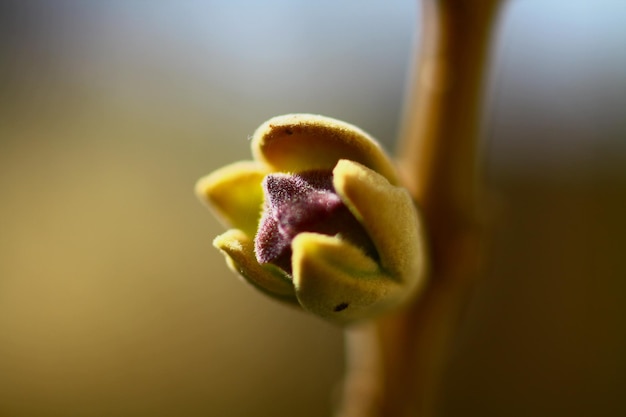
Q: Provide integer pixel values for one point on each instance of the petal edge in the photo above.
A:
(234, 193)
(393, 222)
(239, 251)
(338, 282)
(299, 142)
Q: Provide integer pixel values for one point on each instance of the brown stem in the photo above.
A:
(395, 364)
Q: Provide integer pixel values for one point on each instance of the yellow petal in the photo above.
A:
(299, 142)
(390, 217)
(338, 282)
(239, 251)
(235, 194)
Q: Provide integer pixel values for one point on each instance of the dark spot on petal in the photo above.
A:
(288, 131)
(340, 307)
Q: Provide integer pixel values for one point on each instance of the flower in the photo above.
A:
(319, 219)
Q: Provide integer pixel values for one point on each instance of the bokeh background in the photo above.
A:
(114, 303)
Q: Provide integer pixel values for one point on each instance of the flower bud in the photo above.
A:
(319, 220)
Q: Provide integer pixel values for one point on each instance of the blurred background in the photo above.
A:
(113, 301)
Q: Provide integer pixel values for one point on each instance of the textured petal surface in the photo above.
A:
(303, 202)
(234, 192)
(299, 142)
(338, 282)
(389, 216)
(239, 251)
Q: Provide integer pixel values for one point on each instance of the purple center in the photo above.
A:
(303, 202)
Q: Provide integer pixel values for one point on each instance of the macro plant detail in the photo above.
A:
(319, 220)
(360, 267)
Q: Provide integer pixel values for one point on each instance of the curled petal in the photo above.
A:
(235, 193)
(338, 282)
(300, 142)
(389, 215)
(239, 251)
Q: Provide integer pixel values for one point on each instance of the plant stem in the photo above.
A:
(395, 364)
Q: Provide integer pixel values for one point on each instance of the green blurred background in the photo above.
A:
(114, 303)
